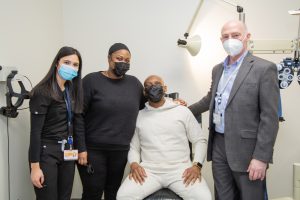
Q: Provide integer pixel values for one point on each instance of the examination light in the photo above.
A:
(193, 44)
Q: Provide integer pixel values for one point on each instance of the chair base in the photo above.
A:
(163, 194)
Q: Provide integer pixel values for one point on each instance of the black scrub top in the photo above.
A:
(49, 123)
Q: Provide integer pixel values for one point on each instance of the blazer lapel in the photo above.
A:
(216, 83)
(242, 73)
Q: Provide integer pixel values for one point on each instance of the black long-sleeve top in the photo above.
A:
(49, 123)
(111, 107)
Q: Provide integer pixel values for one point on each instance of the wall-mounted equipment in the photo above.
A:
(288, 68)
(7, 75)
(193, 44)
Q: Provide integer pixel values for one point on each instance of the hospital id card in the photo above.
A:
(217, 118)
(70, 155)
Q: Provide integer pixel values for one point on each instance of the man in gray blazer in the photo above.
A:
(243, 120)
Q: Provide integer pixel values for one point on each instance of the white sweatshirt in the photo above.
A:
(160, 142)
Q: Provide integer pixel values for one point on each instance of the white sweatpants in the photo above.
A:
(130, 190)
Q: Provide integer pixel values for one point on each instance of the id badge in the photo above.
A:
(70, 155)
(217, 118)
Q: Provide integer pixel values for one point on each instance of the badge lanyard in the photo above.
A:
(71, 154)
(69, 116)
(219, 94)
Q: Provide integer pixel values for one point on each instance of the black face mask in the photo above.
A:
(154, 93)
(121, 68)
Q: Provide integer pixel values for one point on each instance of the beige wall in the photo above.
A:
(30, 35)
(32, 31)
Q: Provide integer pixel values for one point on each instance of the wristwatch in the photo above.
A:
(197, 164)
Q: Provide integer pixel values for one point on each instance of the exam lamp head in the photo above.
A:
(192, 44)
(294, 12)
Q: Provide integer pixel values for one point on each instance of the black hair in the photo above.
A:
(116, 47)
(48, 85)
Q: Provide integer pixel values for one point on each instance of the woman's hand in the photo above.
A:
(37, 176)
(82, 158)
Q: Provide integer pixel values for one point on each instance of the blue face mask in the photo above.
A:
(67, 72)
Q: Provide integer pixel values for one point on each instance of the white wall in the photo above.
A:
(30, 35)
(32, 31)
(151, 29)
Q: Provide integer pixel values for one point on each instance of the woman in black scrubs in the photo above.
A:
(112, 100)
(56, 128)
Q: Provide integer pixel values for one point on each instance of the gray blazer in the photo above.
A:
(251, 114)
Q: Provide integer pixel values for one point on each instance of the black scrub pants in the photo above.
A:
(107, 177)
(59, 174)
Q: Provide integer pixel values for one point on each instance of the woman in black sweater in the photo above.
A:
(112, 101)
(56, 105)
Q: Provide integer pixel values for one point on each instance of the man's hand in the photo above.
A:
(137, 173)
(180, 102)
(190, 175)
(82, 158)
(257, 170)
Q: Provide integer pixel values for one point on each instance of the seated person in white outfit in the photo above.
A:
(159, 154)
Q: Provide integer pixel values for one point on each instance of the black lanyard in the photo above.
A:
(69, 111)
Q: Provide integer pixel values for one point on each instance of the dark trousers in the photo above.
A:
(58, 174)
(107, 177)
(231, 185)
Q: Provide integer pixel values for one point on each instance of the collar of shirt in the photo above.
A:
(228, 67)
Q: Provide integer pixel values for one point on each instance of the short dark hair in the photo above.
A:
(116, 47)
